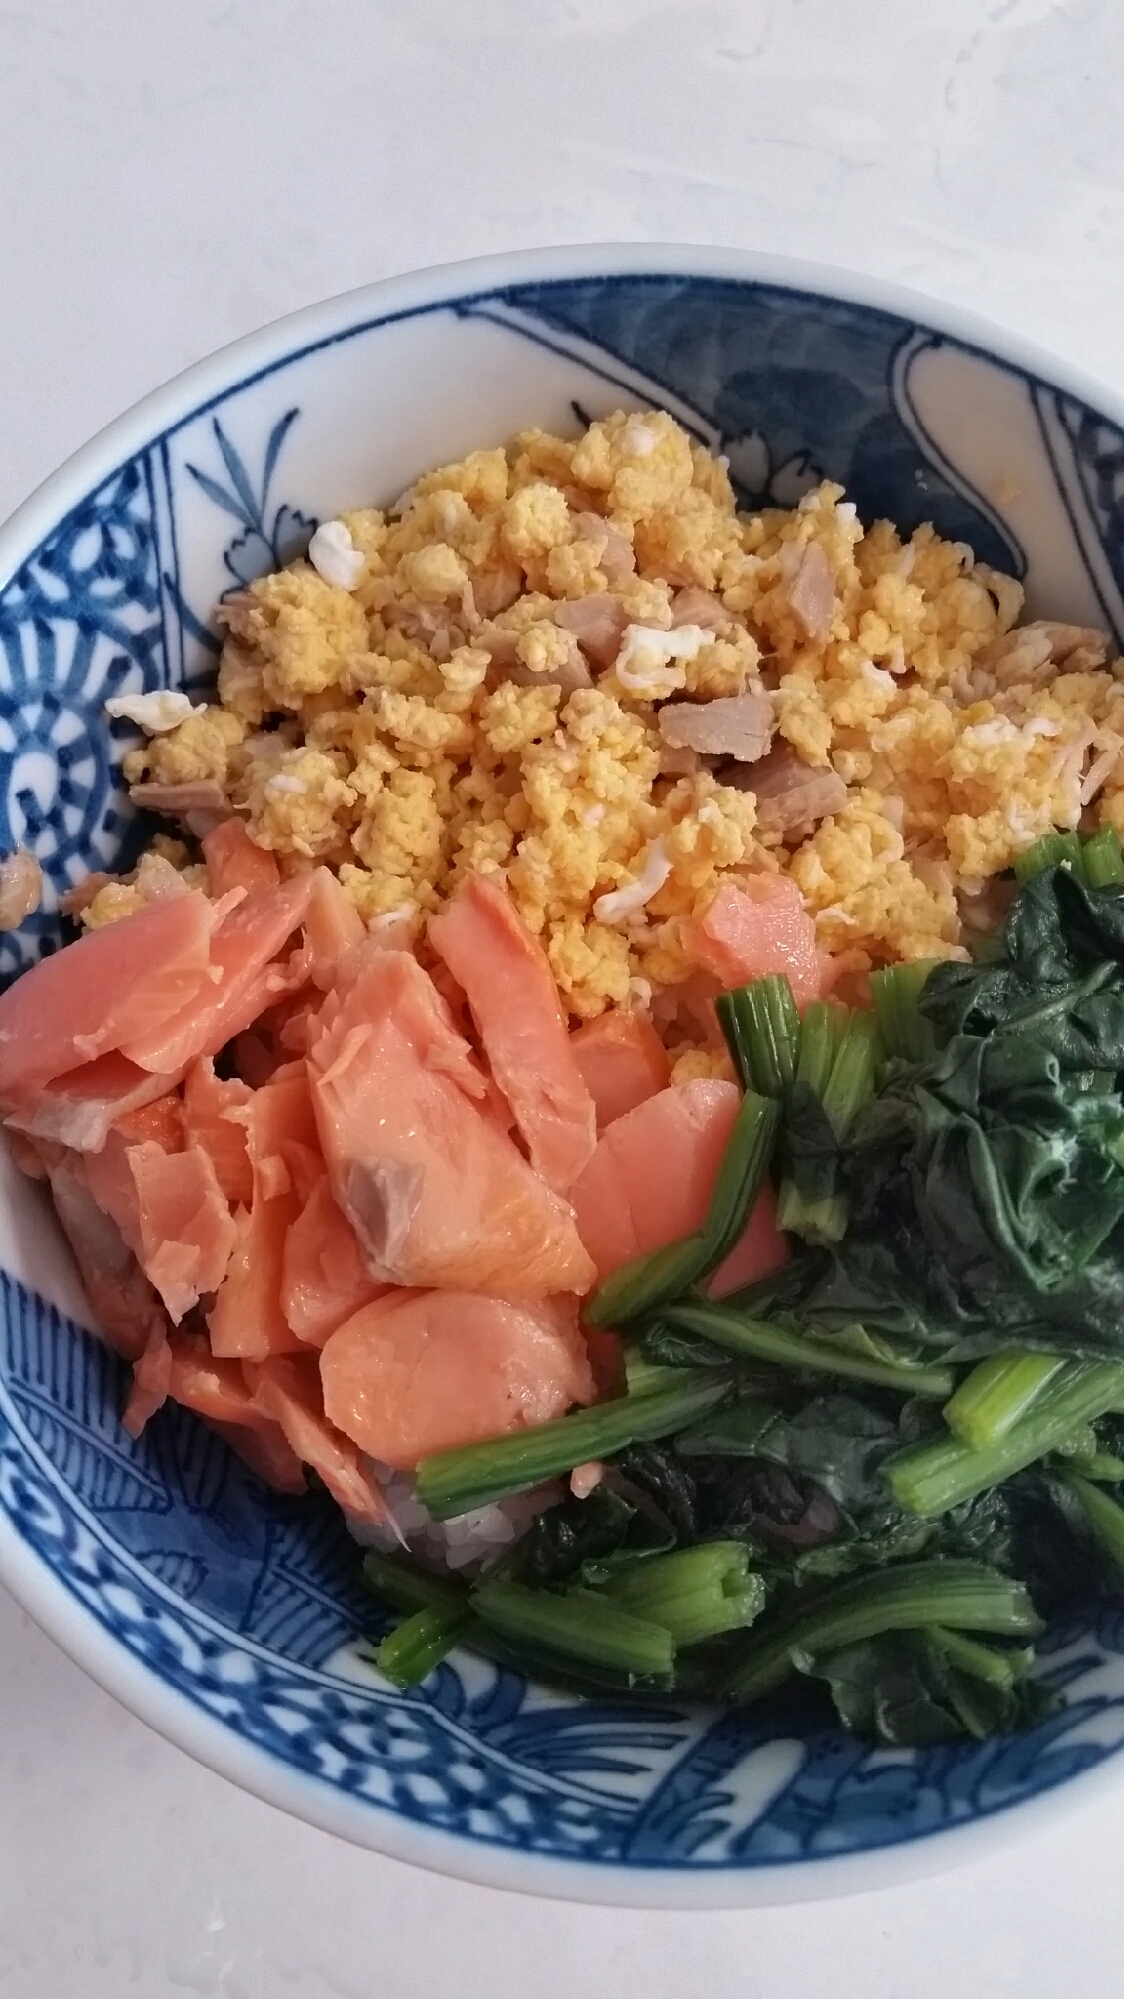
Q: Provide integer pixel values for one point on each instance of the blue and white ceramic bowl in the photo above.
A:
(227, 1617)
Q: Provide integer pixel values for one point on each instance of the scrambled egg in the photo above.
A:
(443, 694)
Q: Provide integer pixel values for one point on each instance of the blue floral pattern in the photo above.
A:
(264, 544)
(247, 1604)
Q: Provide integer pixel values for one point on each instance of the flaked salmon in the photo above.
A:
(436, 1193)
(442, 1368)
(289, 1391)
(335, 933)
(152, 1376)
(160, 1122)
(247, 1321)
(170, 1210)
(240, 981)
(758, 926)
(506, 977)
(187, 1234)
(217, 1391)
(125, 1307)
(324, 1279)
(650, 1181)
(622, 1062)
(207, 1104)
(80, 1108)
(235, 861)
(114, 985)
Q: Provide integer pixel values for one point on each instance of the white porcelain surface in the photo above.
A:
(222, 166)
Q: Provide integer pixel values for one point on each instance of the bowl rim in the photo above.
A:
(253, 355)
(24, 1573)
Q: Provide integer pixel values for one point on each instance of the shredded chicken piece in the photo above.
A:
(790, 794)
(737, 725)
(201, 806)
(616, 557)
(812, 592)
(700, 607)
(598, 624)
(1032, 654)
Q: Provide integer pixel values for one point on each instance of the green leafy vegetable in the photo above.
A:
(1103, 859)
(996, 1394)
(762, 1030)
(406, 1586)
(935, 1476)
(456, 1481)
(910, 1689)
(812, 1201)
(1053, 850)
(409, 1654)
(580, 1625)
(758, 1339)
(696, 1593)
(965, 1595)
(1104, 1515)
(903, 1030)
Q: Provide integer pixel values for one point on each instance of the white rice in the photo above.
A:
(467, 1541)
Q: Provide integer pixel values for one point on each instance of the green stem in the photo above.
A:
(821, 1032)
(1053, 850)
(850, 1083)
(646, 1283)
(405, 1586)
(643, 1376)
(762, 1030)
(902, 1028)
(1104, 860)
(966, 1595)
(984, 1662)
(456, 1481)
(1104, 1466)
(581, 1625)
(408, 1654)
(996, 1394)
(933, 1477)
(696, 1593)
(1104, 1515)
(754, 1339)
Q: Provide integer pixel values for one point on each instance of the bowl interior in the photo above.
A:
(238, 1611)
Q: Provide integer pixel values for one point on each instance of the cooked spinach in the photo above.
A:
(980, 1188)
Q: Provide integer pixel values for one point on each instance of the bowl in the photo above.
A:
(229, 1618)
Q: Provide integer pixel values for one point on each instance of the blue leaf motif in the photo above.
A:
(259, 548)
(277, 438)
(238, 478)
(220, 496)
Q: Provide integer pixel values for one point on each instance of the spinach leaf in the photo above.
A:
(579, 1533)
(810, 1153)
(903, 1690)
(837, 1440)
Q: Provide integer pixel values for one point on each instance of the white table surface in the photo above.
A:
(175, 173)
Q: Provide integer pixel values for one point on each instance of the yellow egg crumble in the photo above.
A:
(485, 694)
